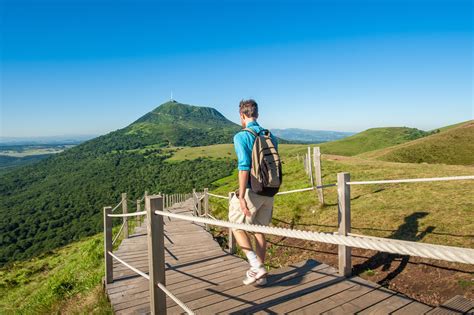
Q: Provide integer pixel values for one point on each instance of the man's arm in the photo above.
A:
(243, 180)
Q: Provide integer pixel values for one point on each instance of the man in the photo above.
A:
(247, 206)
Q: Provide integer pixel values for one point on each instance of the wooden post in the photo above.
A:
(310, 167)
(317, 172)
(206, 206)
(199, 206)
(344, 222)
(304, 163)
(194, 201)
(109, 271)
(156, 253)
(137, 218)
(232, 245)
(125, 211)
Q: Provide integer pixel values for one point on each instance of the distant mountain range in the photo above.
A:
(310, 136)
(72, 139)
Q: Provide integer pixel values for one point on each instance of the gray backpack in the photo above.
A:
(265, 174)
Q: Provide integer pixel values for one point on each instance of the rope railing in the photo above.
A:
(141, 273)
(284, 192)
(411, 180)
(175, 299)
(217, 196)
(131, 214)
(447, 253)
(118, 205)
(118, 233)
(161, 286)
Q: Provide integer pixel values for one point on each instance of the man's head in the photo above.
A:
(248, 110)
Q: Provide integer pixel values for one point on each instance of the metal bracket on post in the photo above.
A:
(156, 253)
(344, 222)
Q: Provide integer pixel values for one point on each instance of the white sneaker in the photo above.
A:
(261, 282)
(253, 275)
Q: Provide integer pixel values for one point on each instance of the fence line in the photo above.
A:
(118, 233)
(156, 205)
(132, 214)
(161, 286)
(118, 205)
(175, 299)
(448, 253)
(217, 196)
(285, 192)
(412, 180)
(141, 273)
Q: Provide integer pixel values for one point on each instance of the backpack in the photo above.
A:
(265, 174)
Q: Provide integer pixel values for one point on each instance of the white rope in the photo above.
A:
(210, 216)
(161, 286)
(118, 234)
(116, 207)
(141, 273)
(174, 298)
(131, 214)
(448, 253)
(294, 191)
(218, 196)
(285, 192)
(413, 180)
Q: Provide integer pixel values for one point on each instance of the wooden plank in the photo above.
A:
(277, 282)
(414, 308)
(389, 305)
(456, 305)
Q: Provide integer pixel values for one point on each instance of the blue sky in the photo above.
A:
(89, 67)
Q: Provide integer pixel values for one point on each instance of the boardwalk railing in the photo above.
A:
(156, 254)
(155, 211)
(361, 241)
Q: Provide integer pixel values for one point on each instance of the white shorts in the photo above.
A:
(261, 208)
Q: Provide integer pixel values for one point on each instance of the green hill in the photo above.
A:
(453, 145)
(59, 200)
(372, 139)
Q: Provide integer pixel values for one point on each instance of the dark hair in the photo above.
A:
(249, 108)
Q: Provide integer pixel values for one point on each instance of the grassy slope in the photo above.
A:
(371, 139)
(65, 280)
(46, 283)
(453, 145)
(218, 151)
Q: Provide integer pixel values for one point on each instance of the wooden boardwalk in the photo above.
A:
(209, 281)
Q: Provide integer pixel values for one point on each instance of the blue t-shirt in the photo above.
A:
(243, 143)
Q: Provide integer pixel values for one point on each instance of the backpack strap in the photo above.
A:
(251, 131)
(265, 132)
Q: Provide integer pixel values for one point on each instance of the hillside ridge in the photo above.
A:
(451, 145)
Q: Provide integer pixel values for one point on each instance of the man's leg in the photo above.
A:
(243, 240)
(260, 246)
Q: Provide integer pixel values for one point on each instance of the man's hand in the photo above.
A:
(243, 180)
(244, 208)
